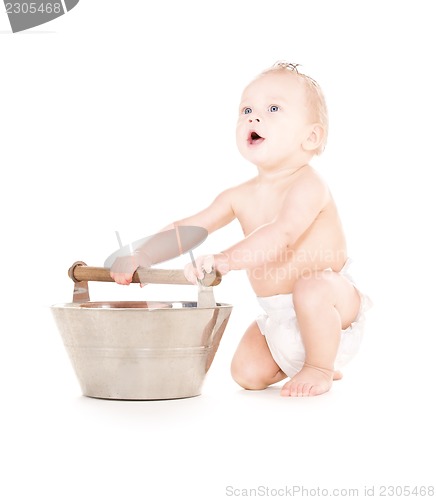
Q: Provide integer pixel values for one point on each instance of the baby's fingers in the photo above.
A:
(191, 273)
(208, 264)
(121, 278)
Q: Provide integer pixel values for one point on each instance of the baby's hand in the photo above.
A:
(123, 268)
(206, 264)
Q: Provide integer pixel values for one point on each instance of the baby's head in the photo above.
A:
(282, 117)
(315, 100)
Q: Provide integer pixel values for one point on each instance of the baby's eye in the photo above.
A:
(247, 111)
(273, 108)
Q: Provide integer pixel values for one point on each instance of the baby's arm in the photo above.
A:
(303, 203)
(218, 214)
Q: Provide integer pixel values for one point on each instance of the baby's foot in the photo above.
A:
(310, 381)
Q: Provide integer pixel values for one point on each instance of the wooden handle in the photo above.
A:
(79, 271)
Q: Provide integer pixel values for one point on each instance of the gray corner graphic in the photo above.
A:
(26, 14)
(70, 4)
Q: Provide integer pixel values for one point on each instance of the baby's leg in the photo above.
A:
(324, 304)
(253, 366)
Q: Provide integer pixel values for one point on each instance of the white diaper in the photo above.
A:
(280, 327)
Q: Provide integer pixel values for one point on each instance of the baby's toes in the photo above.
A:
(285, 392)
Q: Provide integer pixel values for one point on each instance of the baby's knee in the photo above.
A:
(246, 375)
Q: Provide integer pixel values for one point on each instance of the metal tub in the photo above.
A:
(140, 350)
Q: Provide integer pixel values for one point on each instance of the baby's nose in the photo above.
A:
(251, 120)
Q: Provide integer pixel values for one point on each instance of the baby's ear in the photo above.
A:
(314, 138)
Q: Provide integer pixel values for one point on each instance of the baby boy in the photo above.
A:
(294, 248)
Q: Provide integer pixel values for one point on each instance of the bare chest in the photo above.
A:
(258, 210)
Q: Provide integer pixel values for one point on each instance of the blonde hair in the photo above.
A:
(315, 97)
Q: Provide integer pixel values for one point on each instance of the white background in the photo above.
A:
(120, 116)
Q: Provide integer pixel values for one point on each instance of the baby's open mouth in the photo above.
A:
(255, 138)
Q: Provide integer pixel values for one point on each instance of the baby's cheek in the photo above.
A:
(239, 129)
